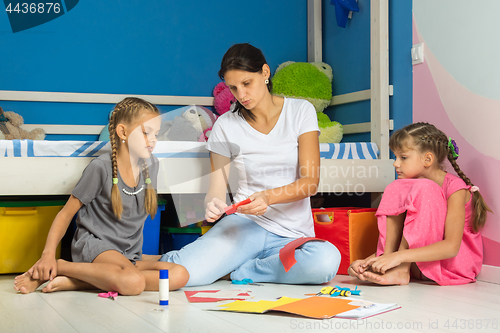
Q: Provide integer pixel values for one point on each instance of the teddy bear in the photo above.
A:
(194, 124)
(223, 98)
(312, 82)
(10, 128)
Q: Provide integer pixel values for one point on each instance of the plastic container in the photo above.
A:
(151, 233)
(24, 226)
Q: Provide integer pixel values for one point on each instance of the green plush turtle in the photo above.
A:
(312, 82)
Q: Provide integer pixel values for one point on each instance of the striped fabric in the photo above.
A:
(164, 149)
(349, 151)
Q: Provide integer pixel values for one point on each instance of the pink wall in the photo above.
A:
(467, 118)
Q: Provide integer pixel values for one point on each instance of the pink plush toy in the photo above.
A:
(223, 98)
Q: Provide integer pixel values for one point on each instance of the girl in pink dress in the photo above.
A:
(428, 219)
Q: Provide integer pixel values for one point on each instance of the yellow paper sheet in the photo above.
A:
(256, 307)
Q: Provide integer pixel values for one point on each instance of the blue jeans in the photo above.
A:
(239, 246)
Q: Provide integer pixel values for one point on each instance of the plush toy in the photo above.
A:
(223, 98)
(10, 128)
(195, 124)
(331, 131)
(104, 136)
(312, 82)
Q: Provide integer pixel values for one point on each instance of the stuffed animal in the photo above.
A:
(223, 98)
(331, 131)
(312, 82)
(195, 124)
(104, 136)
(10, 128)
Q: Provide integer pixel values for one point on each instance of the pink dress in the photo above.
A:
(426, 205)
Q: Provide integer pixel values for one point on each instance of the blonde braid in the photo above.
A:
(150, 199)
(116, 199)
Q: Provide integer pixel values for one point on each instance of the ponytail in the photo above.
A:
(479, 205)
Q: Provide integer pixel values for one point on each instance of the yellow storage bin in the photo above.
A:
(23, 231)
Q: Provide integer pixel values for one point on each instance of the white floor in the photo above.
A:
(425, 308)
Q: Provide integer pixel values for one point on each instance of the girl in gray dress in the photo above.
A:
(113, 198)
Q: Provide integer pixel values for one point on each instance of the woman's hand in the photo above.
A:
(214, 210)
(258, 206)
(384, 262)
(44, 269)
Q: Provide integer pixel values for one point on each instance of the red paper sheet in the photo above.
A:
(191, 299)
(287, 253)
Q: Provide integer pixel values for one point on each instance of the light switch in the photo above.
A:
(417, 54)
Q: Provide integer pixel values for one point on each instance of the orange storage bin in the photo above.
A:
(352, 230)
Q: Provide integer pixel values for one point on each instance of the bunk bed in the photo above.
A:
(185, 166)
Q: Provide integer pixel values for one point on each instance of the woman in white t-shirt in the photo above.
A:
(273, 144)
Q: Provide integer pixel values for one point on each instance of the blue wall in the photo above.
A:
(175, 48)
(140, 47)
(347, 50)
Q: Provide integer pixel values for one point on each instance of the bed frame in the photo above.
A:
(58, 176)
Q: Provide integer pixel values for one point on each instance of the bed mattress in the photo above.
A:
(164, 149)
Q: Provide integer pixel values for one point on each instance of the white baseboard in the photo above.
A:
(489, 274)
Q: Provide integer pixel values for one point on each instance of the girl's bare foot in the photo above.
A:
(25, 283)
(66, 283)
(399, 275)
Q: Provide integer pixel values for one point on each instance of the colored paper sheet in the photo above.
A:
(318, 307)
(312, 307)
(287, 253)
(256, 307)
(208, 296)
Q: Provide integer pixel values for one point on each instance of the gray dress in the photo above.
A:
(98, 229)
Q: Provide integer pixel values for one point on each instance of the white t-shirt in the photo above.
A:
(269, 161)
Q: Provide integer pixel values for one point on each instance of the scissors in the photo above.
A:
(246, 281)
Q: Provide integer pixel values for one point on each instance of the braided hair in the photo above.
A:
(427, 138)
(127, 111)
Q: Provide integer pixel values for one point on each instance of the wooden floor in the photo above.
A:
(425, 308)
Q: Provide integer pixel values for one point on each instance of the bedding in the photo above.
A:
(164, 149)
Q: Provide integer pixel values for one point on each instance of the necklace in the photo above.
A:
(133, 193)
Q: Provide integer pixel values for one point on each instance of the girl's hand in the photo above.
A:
(214, 210)
(356, 269)
(258, 206)
(44, 269)
(385, 262)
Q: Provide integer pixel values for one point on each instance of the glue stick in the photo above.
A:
(164, 287)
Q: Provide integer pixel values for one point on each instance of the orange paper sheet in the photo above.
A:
(312, 307)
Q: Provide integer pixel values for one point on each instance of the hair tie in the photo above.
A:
(148, 181)
(452, 145)
(115, 181)
(474, 189)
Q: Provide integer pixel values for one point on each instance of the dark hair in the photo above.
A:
(427, 138)
(244, 57)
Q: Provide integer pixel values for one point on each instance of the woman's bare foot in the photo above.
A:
(399, 275)
(66, 283)
(25, 283)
